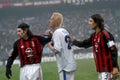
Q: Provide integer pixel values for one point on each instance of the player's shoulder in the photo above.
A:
(107, 34)
(106, 31)
(57, 31)
(60, 31)
(17, 41)
(63, 30)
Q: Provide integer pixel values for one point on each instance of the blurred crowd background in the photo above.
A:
(37, 13)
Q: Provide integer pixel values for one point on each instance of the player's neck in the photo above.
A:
(97, 30)
(56, 28)
(25, 37)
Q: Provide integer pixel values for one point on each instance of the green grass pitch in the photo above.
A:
(85, 71)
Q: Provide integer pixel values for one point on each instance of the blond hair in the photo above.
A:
(58, 18)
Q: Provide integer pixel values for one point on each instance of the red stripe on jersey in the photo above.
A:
(98, 53)
(30, 51)
(94, 54)
(37, 49)
(99, 57)
(22, 52)
(109, 57)
(102, 54)
(34, 49)
(106, 34)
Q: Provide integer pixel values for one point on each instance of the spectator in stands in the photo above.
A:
(104, 49)
(29, 49)
(60, 45)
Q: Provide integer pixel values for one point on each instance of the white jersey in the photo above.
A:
(65, 59)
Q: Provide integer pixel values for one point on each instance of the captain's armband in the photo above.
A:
(110, 43)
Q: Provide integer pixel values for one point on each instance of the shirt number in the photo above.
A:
(67, 40)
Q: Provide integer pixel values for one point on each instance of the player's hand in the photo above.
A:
(115, 73)
(8, 72)
(74, 42)
(70, 38)
(49, 32)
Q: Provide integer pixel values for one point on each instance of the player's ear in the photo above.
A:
(25, 31)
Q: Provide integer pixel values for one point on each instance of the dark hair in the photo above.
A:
(99, 20)
(25, 26)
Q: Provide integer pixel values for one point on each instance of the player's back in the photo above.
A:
(67, 55)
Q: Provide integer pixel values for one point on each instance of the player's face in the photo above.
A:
(52, 21)
(92, 24)
(21, 33)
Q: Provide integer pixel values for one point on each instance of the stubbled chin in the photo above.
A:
(93, 27)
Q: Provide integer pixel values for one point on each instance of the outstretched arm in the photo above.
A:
(44, 39)
(85, 43)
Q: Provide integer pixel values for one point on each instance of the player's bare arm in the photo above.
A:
(50, 45)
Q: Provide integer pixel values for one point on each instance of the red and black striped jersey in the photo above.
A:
(30, 50)
(104, 50)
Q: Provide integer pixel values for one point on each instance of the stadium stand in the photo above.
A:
(75, 20)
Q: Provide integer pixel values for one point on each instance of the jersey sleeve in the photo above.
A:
(112, 47)
(44, 39)
(12, 56)
(85, 43)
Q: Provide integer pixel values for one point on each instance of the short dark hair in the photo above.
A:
(23, 26)
(99, 20)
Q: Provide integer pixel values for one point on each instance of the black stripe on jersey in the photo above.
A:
(38, 48)
(30, 44)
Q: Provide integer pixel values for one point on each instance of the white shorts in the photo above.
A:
(67, 75)
(31, 72)
(105, 76)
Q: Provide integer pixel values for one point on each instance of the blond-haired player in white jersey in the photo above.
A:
(60, 45)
